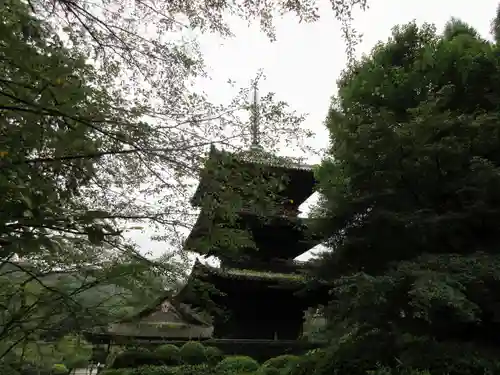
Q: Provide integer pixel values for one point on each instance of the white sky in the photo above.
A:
(302, 66)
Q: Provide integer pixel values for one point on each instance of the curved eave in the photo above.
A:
(310, 239)
(302, 173)
(301, 283)
(188, 317)
(203, 272)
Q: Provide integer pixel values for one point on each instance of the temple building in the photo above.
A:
(249, 219)
(258, 280)
(165, 322)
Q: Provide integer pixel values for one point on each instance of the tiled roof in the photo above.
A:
(238, 273)
(168, 305)
(259, 156)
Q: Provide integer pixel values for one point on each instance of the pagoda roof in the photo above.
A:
(200, 269)
(210, 274)
(165, 318)
(260, 156)
(303, 172)
(297, 227)
(172, 309)
(240, 280)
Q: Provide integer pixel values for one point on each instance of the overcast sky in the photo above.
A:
(304, 63)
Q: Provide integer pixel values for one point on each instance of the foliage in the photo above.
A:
(136, 358)
(112, 31)
(306, 364)
(410, 198)
(388, 371)
(56, 242)
(192, 353)
(115, 371)
(98, 111)
(213, 355)
(59, 369)
(314, 326)
(80, 145)
(70, 352)
(237, 365)
(200, 369)
(162, 370)
(169, 353)
(278, 363)
(152, 370)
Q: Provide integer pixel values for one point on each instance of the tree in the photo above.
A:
(80, 148)
(411, 202)
(59, 117)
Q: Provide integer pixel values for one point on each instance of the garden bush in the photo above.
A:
(132, 359)
(117, 371)
(170, 354)
(192, 353)
(152, 370)
(278, 365)
(457, 358)
(281, 361)
(237, 365)
(203, 369)
(388, 371)
(76, 362)
(165, 370)
(24, 369)
(59, 369)
(213, 355)
(306, 364)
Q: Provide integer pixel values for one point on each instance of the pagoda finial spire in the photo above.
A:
(255, 131)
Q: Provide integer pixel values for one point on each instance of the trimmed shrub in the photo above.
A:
(24, 369)
(170, 354)
(306, 364)
(76, 362)
(117, 371)
(388, 371)
(278, 365)
(151, 370)
(168, 370)
(192, 353)
(281, 361)
(237, 365)
(269, 371)
(192, 370)
(213, 355)
(59, 369)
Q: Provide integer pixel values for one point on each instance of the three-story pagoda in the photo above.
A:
(249, 220)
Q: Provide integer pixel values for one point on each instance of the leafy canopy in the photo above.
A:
(411, 202)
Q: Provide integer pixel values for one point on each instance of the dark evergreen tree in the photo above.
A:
(411, 201)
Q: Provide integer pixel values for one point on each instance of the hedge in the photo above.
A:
(237, 365)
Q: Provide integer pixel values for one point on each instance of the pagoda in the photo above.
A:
(249, 219)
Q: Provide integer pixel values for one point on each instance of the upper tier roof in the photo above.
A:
(301, 176)
(276, 237)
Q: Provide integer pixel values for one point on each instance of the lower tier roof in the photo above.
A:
(260, 237)
(202, 271)
(234, 281)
